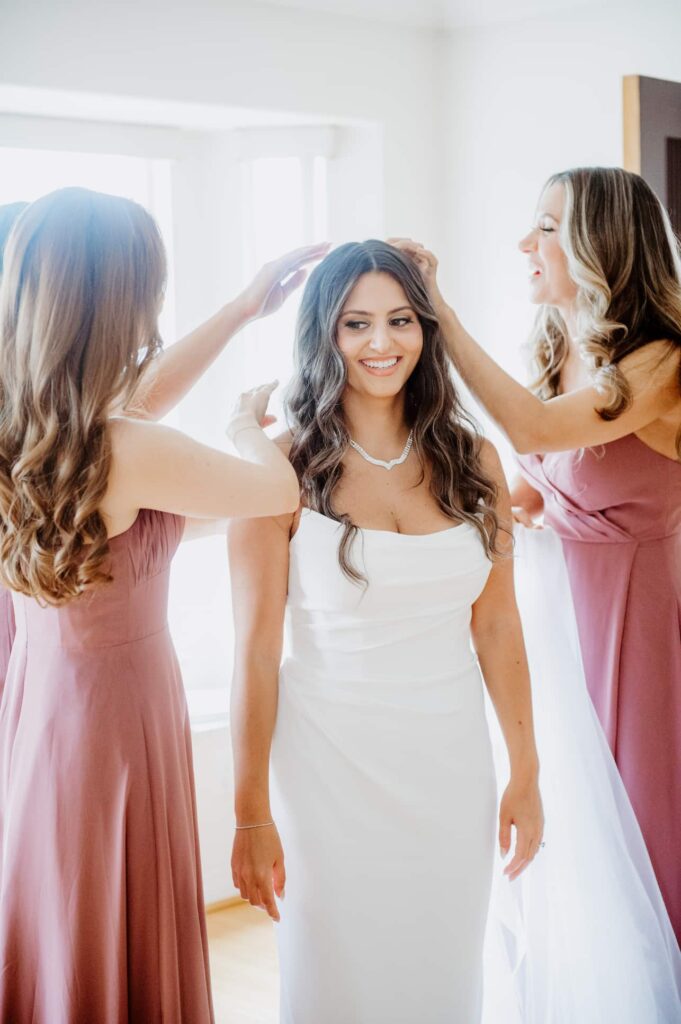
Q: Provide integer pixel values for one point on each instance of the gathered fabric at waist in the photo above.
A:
(77, 627)
(577, 533)
(87, 644)
(395, 649)
(422, 694)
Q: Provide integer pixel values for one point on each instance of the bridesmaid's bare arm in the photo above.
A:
(179, 367)
(154, 466)
(569, 421)
(258, 556)
(196, 528)
(498, 640)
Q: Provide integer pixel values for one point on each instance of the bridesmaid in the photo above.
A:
(601, 437)
(101, 908)
(8, 215)
(173, 373)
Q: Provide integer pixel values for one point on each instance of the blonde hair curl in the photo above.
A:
(624, 257)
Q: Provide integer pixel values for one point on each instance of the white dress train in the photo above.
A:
(583, 936)
(383, 781)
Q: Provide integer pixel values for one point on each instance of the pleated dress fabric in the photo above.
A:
(383, 781)
(617, 510)
(101, 905)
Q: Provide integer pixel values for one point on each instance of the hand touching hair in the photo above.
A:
(445, 438)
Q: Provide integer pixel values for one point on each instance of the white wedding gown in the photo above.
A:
(383, 787)
(383, 781)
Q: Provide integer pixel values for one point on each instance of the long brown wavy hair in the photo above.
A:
(79, 300)
(445, 437)
(624, 258)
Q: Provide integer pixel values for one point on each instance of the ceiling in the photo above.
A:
(439, 13)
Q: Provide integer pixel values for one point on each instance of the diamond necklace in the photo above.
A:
(381, 462)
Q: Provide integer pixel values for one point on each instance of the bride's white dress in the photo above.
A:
(384, 792)
(383, 781)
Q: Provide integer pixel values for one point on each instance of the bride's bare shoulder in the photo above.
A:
(490, 461)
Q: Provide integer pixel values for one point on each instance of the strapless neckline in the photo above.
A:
(386, 533)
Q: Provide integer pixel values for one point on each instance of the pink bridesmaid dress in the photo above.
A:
(101, 903)
(617, 510)
(7, 630)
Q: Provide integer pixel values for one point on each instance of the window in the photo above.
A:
(233, 200)
(27, 174)
(283, 205)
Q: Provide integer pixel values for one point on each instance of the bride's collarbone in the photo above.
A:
(397, 506)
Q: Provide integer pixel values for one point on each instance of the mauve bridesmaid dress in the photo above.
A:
(101, 904)
(617, 510)
(7, 631)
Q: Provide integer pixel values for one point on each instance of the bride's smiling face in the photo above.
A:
(379, 336)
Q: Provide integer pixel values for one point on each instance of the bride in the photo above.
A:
(380, 824)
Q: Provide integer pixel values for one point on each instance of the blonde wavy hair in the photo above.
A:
(624, 257)
(80, 294)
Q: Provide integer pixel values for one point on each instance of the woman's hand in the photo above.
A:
(522, 516)
(272, 285)
(251, 409)
(258, 867)
(521, 806)
(527, 503)
(427, 263)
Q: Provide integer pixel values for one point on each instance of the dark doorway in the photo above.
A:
(652, 137)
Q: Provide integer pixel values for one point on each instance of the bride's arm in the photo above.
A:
(498, 640)
(258, 558)
(173, 374)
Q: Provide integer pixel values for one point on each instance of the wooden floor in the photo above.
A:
(243, 961)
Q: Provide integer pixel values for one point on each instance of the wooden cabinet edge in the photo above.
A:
(631, 123)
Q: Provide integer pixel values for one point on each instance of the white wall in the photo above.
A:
(247, 55)
(525, 100)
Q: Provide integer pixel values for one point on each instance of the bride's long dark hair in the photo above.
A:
(445, 438)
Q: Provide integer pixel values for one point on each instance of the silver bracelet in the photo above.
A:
(264, 824)
(244, 421)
